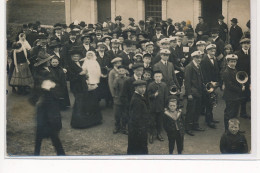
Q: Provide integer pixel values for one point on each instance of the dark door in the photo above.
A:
(104, 10)
(211, 9)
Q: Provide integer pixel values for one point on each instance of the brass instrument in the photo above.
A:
(210, 88)
(174, 90)
(242, 77)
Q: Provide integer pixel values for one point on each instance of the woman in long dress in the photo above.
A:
(86, 112)
(21, 76)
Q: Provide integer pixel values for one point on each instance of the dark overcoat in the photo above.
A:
(209, 71)
(137, 127)
(193, 80)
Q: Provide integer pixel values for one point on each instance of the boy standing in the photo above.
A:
(119, 109)
(113, 74)
(138, 112)
(157, 94)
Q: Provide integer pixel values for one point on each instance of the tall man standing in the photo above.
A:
(193, 89)
(222, 28)
(243, 64)
(201, 28)
(235, 34)
(210, 73)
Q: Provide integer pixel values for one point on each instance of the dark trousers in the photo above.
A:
(243, 107)
(176, 136)
(137, 141)
(193, 113)
(120, 116)
(231, 111)
(209, 108)
(54, 139)
(156, 123)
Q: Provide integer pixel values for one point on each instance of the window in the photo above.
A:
(153, 8)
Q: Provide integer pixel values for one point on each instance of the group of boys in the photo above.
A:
(143, 60)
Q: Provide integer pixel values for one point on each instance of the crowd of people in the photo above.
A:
(139, 69)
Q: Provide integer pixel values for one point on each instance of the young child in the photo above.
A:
(119, 109)
(173, 125)
(60, 76)
(147, 58)
(232, 142)
(157, 94)
(147, 75)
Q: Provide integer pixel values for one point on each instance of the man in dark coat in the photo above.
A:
(32, 35)
(86, 39)
(170, 28)
(127, 59)
(233, 90)
(114, 52)
(167, 69)
(210, 73)
(105, 65)
(235, 34)
(138, 121)
(201, 28)
(243, 64)
(222, 28)
(193, 88)
(128, 87)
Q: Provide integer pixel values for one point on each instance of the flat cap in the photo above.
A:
(181, 34)
(197, 53)
(165, 51)
(101, 44)
(244, 40)
(147, 55)
(139, 83)
(148, 43)
(173, 38)
(115, 41)
(137, 65)
(200, 43)
(164, 40)
(232, 57)
(211, 46)
(116, 59)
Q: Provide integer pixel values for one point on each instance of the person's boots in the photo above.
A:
(150, 138)
(124, 130)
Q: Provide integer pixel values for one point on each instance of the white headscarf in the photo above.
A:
(24, 43)
(92, 67)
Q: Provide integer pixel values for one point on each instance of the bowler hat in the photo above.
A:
(16, 45)
(131, 19)
(234, 20)
(169, 20)
(86, 35)
(82, 24)
(75, 50)
(118, 18)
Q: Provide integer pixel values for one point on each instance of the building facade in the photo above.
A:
(93, 11)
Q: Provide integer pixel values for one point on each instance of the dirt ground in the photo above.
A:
(100, 140)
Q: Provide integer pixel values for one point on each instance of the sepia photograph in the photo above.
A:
(128, 77)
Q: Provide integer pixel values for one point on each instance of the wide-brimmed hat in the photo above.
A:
(42, 58)
(244, 40)
(86, 35)
(75, 50)
(82, 24)
(54, 43)
(234, 20)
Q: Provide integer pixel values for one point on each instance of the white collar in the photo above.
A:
(163, 61)
(245, 51)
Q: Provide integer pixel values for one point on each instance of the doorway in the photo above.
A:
(104, 10)
(211, 9)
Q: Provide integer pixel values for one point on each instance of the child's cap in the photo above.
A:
(147, 55)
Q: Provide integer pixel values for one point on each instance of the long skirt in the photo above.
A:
(86, 112)
(23, 77)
